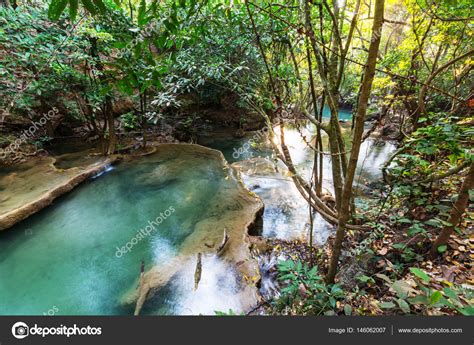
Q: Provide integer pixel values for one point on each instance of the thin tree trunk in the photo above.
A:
(264, 57)
(344, 212)
(318, 130)
(143, 111)
(456, 212)
(311, 224)
(111, 125)
(334, 148)
(297, 70)
(319, 141)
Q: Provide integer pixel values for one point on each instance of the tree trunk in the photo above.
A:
(337, 176)
(143, 110)
(107, 107)
(319, 141)
(314, 100)
(366, 88)
(456, 212)
(111, 126)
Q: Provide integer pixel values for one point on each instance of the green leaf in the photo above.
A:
(445, 302)
(364, 279)
(336, 290)
(450, 293)
(420, 274)
(142, 13)
(384, 277)
(445, 223)
(419, 299)
(56, 8)
(100, 5)
(467, 311)
(347, 309)
(442, 248)
(405, 221)
(403, 305)
(402, 288)
(435, 297)
(89, 6)
(434, 222)
(387, 305)
(73, 9)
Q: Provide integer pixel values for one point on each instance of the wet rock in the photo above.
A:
(390, 130)
(373, 117)
(259, 244)
(52, 185)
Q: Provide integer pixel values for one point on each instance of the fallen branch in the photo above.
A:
(385, 176)
(261, 304)
(225, 239)
(441, 176)
(197, 273)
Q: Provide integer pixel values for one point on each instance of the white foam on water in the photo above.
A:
(106, 170)
(217, 289)
(162, 250)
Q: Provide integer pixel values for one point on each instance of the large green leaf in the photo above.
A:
(467, 311)
(73, 4)
(56, 8)
(387, 305)
(89, 6)
(403, 305)
(420, 274)
(100, 5)
(435, 297)
(141, 18)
